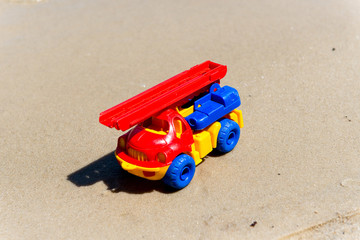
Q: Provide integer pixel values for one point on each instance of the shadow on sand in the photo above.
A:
(108, 170)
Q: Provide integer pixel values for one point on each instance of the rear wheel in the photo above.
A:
(228, 136)
(180, 172)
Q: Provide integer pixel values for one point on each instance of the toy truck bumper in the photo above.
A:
(151, 173)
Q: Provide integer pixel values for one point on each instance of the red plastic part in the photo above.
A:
(151, 144)
(172, 92)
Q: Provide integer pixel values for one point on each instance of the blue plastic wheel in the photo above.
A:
(229, 135)
(180, 172)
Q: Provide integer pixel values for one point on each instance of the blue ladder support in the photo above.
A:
(213, 106)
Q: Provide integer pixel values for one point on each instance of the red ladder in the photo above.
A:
(176, 90)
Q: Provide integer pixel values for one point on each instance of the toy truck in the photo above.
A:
(178, 122)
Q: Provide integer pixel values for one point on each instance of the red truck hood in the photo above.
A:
(139, 138)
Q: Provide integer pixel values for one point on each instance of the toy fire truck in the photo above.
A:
(178, 122)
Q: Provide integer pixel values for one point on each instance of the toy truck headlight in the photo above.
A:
(122, 143)
(161, 157)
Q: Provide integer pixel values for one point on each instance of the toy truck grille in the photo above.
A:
(137, 155)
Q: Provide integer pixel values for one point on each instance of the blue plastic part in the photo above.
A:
(229, 135)
(214, 105)
(180, 172)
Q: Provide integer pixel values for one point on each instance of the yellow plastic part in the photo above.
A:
(202, 143)
(214, 129)
(139, 171)
(241, 120)
(195, 154)
(205, 141)
(178, 127)
(154, 131)
(186, 111)
(236, 116)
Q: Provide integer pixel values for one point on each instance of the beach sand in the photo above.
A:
(294, 174)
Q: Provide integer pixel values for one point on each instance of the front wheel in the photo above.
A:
(228, 136)
(180, 172)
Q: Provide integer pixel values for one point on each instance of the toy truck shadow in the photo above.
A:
(108, 170)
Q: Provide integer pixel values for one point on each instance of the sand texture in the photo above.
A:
(295, 173)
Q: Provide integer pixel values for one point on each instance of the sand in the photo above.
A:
(295, 171)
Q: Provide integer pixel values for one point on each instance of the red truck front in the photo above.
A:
(148, 149)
